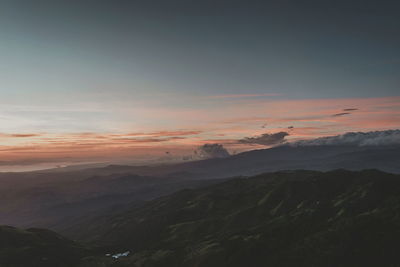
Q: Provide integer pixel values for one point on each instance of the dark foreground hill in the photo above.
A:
(299, 218)
(38, 248)
(285, 219)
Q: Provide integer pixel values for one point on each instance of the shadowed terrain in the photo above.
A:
(38, 247)
(292, 218)
(55, 198)
(299, 218)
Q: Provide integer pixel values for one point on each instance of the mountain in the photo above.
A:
(38, 248)
(288, 157)
(292, 218)
(284, 157)
(53, 199)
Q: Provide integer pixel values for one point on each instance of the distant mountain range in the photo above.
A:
(287, 157)
(285, 219)
(284, 157)
(51, 198)
(353, 151)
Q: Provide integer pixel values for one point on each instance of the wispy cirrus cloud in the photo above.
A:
(167, 133)
(149, 140)
(243, 95)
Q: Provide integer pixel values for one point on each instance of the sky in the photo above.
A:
(89, 81)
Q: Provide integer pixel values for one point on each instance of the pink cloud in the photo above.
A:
(225, 123)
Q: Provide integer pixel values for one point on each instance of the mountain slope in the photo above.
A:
(52, 199)
(299, 218)
(38, 248)
(284, 157)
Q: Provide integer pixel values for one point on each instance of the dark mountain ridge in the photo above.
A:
(293, 218)
(284, 157)
(285, 219)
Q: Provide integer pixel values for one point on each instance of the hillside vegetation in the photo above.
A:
(299, 218)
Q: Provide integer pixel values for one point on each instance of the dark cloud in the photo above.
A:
(212, 151)
(265, 139)
(346, 112)
(341, 114)
(389, 137)
(19, 135)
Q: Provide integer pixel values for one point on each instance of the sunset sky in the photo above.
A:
(91, 81)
